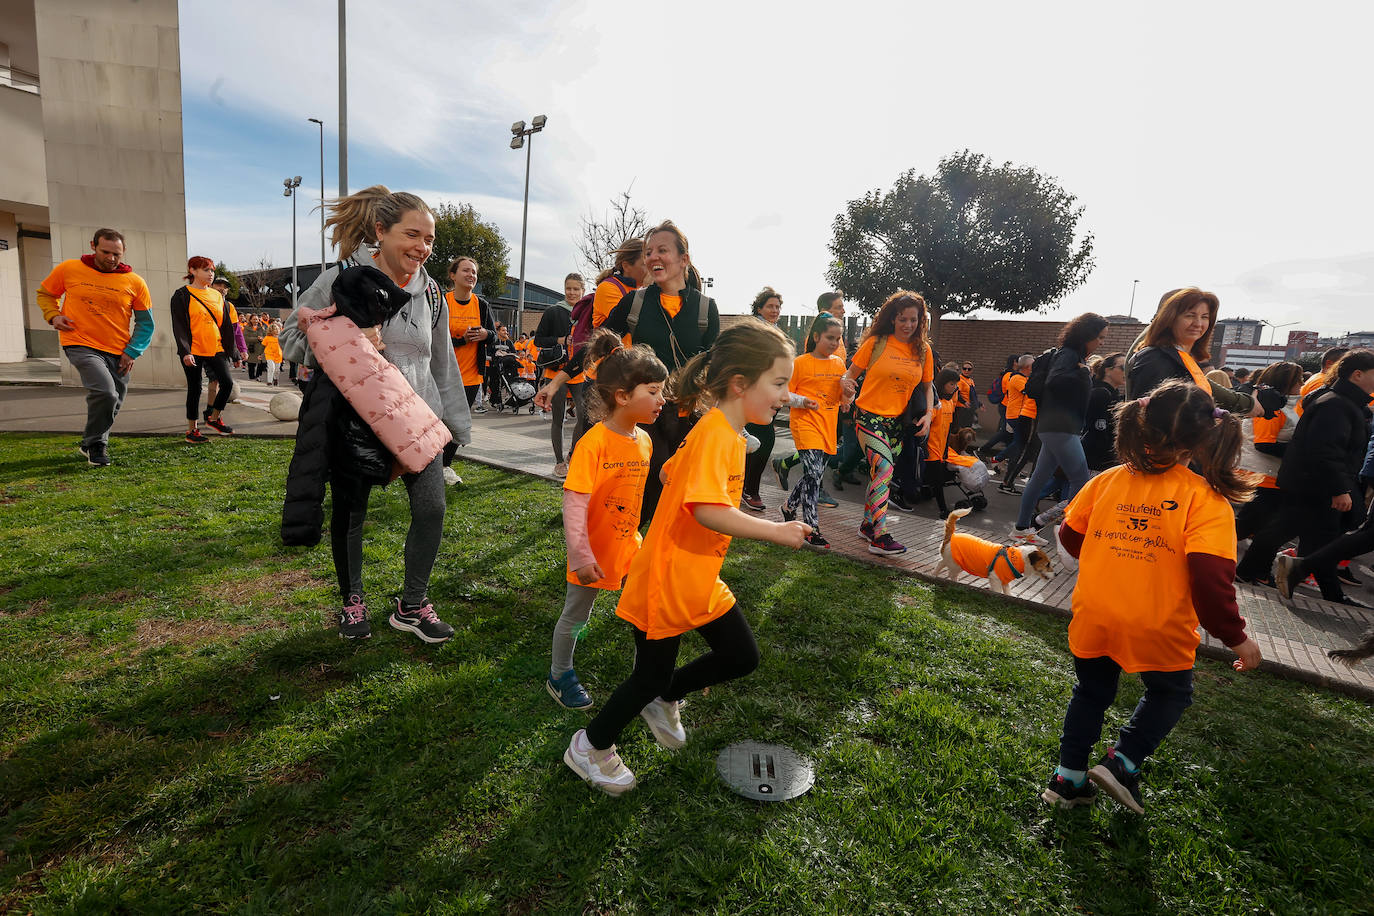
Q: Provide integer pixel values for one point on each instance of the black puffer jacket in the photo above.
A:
(331, 439)
(1323, 459)
(1099, 438)
(1064, 407)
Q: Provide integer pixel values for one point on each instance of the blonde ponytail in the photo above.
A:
(354, 218)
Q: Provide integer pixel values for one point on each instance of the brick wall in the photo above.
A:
(988, 342)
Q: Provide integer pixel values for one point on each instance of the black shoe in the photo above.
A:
(898, 501)
(353, 622)
(788, 515)
(1347, 577)
(96, 454)
(1350, 602)
(219, 426)
(1111, 777)
(194, 436)
(1063, 794)
(1285, 575)
(1262, 581)
(422, 621)
(1005, 487)
(814, 539)
(780, 468)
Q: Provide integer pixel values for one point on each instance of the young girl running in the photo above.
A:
(602, 494)
(674, 583)
(1156, 547)
(817, 374)
(936, 474)
(896, 359)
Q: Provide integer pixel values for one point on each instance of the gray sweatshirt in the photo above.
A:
(415, 343)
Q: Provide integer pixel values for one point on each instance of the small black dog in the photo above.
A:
(1355, 653)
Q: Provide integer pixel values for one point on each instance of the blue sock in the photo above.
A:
(1130, 767)
(1074, 776)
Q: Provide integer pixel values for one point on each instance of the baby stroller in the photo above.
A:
(970, 479)
(512, 390)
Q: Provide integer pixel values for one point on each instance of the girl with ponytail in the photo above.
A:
(674, 581)
(1155, 542)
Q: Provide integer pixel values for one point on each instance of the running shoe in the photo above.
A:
(780, 468)
(95, 454)
(752, 502)
(451, 477)
(826, 501)
(885, 545)
(788, 515)
(196, 437)
(560, 470)
(1111, 777)
(353, 622)
(1063, 794)
(1346, 576)
(898, 501)
(817, 540)
(1005, 487)
(568, 692)
(1285, 567)
(1028, 536)
(422, 621)
(866, 532)
(219, 426)
(603, 769)
(664, 721)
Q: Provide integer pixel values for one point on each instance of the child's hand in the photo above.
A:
(1249, 655)
(590, 573)
(848, 387)
(810, 404)
(791, 534)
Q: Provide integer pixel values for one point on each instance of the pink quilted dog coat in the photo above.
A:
(378, 392)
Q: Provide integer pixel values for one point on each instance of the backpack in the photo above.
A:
(582, 314)
(1040, 374)
(637, 306)
(995, 393)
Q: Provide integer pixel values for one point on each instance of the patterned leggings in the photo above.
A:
(808, 489)
(881, 438)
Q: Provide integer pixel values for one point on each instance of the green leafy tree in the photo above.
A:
(460, 230)
(973, 235)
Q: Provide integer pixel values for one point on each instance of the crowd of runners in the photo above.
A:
(1146, 467)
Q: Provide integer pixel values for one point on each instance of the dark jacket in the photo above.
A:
(332, 441)
(1328, 446)
(1099, 436)
(1064, 406)
(554, 326)
(1151, 365)
(181, 306)
(487, 347)
(658, 331)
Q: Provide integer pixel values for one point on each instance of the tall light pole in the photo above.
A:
(1134, 284)
(1273, 328)
(343, 100)
(518, 134)
(322, 260)
(291, 185)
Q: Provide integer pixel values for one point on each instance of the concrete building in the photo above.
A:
(90, 109)
(1240, 332)
(1249, 357)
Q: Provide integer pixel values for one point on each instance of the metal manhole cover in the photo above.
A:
(765, 772)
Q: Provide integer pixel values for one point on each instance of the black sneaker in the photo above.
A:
(826, 501)
(422, 621)
(780, 468)
(1350, 602)
(96, 454)
(817, 540)
(1063, 794)
(219, 426)
(1111, 777)
(898, 501)
(1347, 577)
(353, 619)
(1008, 488)
(1262, 581)
(752, 502)
(1284, 572)
(788, 515)
(196, 437)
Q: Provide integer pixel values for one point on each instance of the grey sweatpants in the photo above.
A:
(577, 608)
(105, 390)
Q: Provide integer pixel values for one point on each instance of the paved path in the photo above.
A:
(1293, 639)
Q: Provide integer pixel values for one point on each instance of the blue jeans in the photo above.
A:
(105, 390)
(1057, 450)
(1167, 694)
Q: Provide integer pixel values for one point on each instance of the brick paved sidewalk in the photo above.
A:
(1293, 639)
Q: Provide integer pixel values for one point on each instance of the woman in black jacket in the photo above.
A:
(555, 333)
(1099, 438)
(1063, 412)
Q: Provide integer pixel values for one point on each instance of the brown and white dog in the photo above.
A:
(1000, 565)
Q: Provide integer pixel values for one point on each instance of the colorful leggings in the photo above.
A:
(881, 438)
(808, 489)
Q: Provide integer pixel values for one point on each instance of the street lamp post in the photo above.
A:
(291, 184)
(322, 260)
(1273, 328)
(1134, 284)
(518, 134)
(343, 98)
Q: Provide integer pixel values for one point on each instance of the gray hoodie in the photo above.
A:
(416, 344)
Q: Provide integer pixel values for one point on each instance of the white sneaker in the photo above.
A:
(560, 470)
(451, 477)
(602, 769)
(665, 723)
(1028, 536)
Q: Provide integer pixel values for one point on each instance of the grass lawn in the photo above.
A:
(181, 729)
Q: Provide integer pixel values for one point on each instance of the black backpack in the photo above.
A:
(1040, 374)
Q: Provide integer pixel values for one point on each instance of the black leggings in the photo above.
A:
(217, 366)
(757, 461)
(733, 654)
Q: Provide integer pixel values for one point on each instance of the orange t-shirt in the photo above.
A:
(888, 384)
(271, 348)
(1133, 600)
(205, 310)
(606, 297)
(965, 385)
(674, 582)
(939, 431)
(101, 305)
(1268, 431)
(612, 470)
(979, 557)
(461, 317)
(671, 304)
(1013, 393)
(819, 380)
(1316, 381)
(1195, 371)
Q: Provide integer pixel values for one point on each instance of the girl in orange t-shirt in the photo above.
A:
(674, 582)
(896, 359)
(936, 474)
(1156, 549)
(601, 497)
(817, 374)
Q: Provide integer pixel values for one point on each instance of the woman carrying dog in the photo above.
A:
(394, 232)
(1156, 549)
(896, 359)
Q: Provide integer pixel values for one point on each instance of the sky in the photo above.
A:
(1217, 145)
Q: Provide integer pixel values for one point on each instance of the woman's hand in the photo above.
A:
(923, 424)
(848, 387)
(304, 315)
(188, 361)
(543, 399)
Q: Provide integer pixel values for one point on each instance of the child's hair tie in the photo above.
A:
(1143, 402)
(1218, 413)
